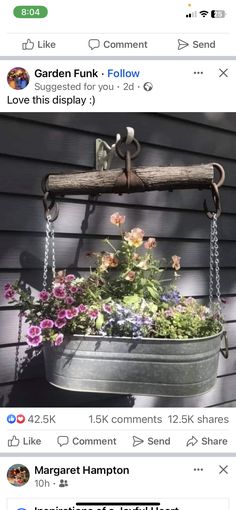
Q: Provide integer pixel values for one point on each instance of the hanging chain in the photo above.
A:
(19, 335)
(49, 243)
(214, 279)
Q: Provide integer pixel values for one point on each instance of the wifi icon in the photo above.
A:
(204, 13)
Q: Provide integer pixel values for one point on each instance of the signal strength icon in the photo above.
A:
(192, 15)
(204, 13)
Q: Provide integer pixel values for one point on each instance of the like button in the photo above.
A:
(14, 441)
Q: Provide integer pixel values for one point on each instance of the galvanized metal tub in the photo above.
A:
(127, 366)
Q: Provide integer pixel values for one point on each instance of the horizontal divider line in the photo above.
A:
(164, 115)
(90, 133)
(226, 375)
(104, 203)
(14, 344)
(72, 235)
(220, 403)
(195, 123)
(44, 162)
(146, 144)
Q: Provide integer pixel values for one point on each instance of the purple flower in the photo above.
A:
(59, 339)
(59, 292)
(33, 331)
(70, 300)
(37, 340)
(44, 295)
(61, 314)
(173, 296)
(9, 293)
(46, 324)
(82, 308)
(69, 278)
(107, 308)
(93, 314)
(60, 323)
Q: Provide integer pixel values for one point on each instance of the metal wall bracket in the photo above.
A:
(105, 153)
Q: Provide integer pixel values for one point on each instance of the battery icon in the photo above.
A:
(218, 14)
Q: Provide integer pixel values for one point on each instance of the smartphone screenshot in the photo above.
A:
(117, 255)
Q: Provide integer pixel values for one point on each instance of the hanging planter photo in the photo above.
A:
(125, 328)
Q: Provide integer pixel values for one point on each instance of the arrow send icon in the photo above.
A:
(182, 44)
(137, 441)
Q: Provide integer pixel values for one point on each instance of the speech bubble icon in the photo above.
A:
(94, 43)
(63, 440)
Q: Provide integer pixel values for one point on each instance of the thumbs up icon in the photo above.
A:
(28, 45)
(14, 441)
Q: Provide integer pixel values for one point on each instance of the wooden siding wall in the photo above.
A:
(32, 145)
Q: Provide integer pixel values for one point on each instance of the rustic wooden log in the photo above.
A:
(148, 179)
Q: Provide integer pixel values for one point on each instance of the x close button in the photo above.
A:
(223, 72)
(223, 469)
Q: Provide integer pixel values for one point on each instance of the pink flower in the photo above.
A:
(109, 260)
(73, 289)
(130, 276)
(44, 295)
(61, 314)
(150, 243)
(60, 323)
(74, 311)
(70, 300)
(9, 293)
(46, 324)
(71, 313)
(33, 331)
(7, 286)
(117, 219)
(93, 314)
(134, 237)
(69, 278)
(59, 339)
(34, 342)
(59, 292)
(82, 308)
(107, 308)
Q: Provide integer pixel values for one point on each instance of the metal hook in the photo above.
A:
(216, 200)
(225, 350)
(51, 209)
(105, 153)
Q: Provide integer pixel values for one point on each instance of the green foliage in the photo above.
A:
(127, 294)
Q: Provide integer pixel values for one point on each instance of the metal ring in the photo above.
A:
(221, 172)
(44, 183)
(51, 209)
(122, 154)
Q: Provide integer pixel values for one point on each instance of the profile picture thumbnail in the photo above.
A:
(18, 475)
(18, 78)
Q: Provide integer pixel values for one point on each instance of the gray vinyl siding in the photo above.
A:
(32, 145)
